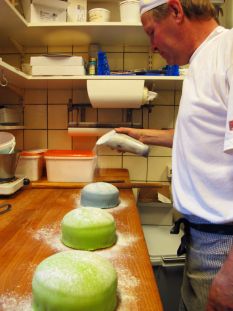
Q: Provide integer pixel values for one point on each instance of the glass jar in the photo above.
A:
(92, 66)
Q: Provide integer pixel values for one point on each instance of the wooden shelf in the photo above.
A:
(14, 28)
(11, 127)
(19, 79)
(55, 34)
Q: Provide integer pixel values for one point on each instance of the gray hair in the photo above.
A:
(193, 9)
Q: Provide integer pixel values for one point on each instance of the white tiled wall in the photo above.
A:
(46, 115)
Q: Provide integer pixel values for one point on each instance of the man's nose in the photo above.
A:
(153, 45)
(154, 48)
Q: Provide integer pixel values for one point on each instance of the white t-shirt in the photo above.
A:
(203, 141)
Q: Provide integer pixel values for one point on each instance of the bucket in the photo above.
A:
(99, 15)
(7, 143)
(8, 163)
(130, 11)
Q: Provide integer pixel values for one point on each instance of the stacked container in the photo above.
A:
(70, 165)
(30, 164)
(130, 11)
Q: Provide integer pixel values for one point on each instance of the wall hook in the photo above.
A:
(3, 80)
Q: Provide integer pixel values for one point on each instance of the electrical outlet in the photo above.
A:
(169, 171)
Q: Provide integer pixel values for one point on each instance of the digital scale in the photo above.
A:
(10, 187)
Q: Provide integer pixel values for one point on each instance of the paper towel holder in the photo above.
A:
(77, 117)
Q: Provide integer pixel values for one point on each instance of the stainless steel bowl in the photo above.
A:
(8, 163)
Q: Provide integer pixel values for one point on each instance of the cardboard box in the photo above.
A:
(58, 71)
(77, 11)
(156, 213)
(37, 11)
(56, 60)
(150, 194)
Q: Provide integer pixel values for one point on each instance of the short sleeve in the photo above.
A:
(228, 142)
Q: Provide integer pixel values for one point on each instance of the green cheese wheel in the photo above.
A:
(75, 281)
(88, 229)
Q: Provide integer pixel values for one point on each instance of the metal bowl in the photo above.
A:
(8, 163)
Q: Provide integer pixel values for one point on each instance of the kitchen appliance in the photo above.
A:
(7, 143)
(8, 163)
(10, 187)
(9, 183)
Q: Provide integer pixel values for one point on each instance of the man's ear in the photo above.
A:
(176, 10)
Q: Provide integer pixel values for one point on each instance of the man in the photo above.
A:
(186, 31)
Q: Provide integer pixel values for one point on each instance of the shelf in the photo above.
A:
(21, 80)
(14, 28)
(11, 127)
(80, 131)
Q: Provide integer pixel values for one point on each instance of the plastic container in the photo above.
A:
(30, 165)
(103, 66)
(70, 165)
(99, 15)
(130, 11)
(7, 143)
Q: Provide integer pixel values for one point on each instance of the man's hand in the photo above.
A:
(221, 290)
(154, 137)
(135, 133)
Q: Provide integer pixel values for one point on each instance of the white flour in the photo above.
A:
(123, 204)
(118, 254)
(12, 301)
(127, 282)
(51, 236)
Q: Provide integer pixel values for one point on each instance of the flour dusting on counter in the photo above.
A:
(118, 254)
(127, 283)
(51, 236)
(123, 204)
(12, 301)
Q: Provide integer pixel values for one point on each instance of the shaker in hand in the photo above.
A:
(124, 143)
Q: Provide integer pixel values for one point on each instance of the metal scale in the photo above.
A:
(11, 186)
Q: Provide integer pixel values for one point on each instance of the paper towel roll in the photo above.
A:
(116, 93)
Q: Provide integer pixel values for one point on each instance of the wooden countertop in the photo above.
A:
(30, 232)
(118, 177)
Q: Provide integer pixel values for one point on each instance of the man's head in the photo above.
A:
(177, 27)
(196, 9)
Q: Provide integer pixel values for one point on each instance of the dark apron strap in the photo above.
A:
(185, 238)
(226, 229)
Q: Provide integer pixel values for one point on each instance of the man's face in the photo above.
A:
(165, 37)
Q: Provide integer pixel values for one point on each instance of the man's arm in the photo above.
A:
(162, 138)
(221, 290)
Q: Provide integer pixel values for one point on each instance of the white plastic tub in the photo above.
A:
(130, 11)
(70, 165)
(30, 165)
(99, 15)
